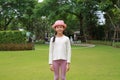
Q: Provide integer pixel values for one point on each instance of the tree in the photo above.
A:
(14, 9)
(111, 8)
(41, 27)
(82, 10)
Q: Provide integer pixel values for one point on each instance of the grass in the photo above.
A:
(98, 63)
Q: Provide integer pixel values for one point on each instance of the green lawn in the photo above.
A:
(98, 63)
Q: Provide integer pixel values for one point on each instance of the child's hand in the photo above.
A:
(67, 67)
(51, 67)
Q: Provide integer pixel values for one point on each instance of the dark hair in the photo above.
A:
(55, 36)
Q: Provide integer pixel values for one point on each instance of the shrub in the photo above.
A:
(14, 40)
(11, 46)
(117, 44)
(12, 37)
(40, 42)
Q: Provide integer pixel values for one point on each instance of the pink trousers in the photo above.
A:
(59, 69)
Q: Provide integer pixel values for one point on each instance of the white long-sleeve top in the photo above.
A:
(60, 49)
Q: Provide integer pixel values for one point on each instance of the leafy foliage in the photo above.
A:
(77, 14)
(12, 37)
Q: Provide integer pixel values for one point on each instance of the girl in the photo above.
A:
(59, 51)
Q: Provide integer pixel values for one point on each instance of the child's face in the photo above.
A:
(59, 29)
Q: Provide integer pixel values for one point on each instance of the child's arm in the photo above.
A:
(68, 51)
(67, 67)
(50, 51)
(51, 67)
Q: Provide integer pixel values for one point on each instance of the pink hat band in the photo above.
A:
(59, 23)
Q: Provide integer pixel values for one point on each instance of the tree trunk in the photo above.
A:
(82, 37)
(114, 37)
(106, 35)
(115, 29)
(7, 23)
(117, 33)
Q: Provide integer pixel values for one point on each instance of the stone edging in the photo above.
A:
(84, 45)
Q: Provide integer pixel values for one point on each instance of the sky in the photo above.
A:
(101, 19)
(40, 0)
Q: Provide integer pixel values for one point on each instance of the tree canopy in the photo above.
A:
(79, 15)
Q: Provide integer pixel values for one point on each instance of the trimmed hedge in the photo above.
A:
(117, 44)
(12, 37)
(15, 47)
(14, 40)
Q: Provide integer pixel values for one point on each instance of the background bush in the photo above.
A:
(14, 40)
(12, 37)
(109, 43)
